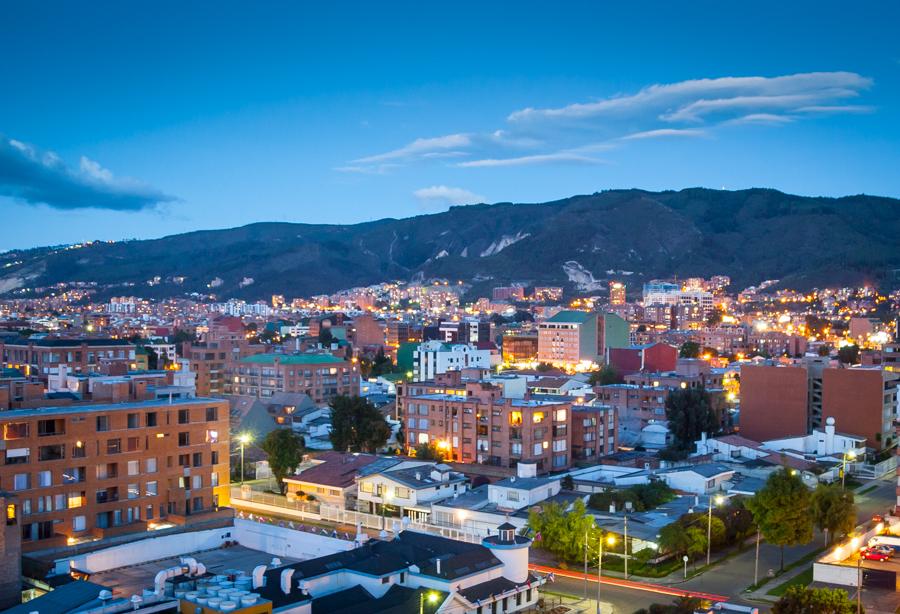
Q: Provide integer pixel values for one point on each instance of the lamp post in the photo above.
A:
(718, 500)
(243, 439)
(756, 562)
(611, 540)
(858, 584)
(851, 455)
(625, 545)
(432, 598)
(685, 559)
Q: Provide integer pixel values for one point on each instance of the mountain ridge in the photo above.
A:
(751, 235)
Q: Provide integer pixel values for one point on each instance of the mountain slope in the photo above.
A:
(750, 234)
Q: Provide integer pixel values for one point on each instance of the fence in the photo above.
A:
(330, 513)
(246, 498)
(876, 471)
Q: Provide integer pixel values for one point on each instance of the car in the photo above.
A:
(884, 549)
(874, 554)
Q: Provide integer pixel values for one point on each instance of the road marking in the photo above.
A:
(641, 586)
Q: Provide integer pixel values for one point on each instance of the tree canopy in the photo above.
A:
(690, 414)
(782, 510)
(430, 451)
(834, 509)
(642, 496)
(605, 375)
(356, 425)
(803, 600)
(689, 349)
(285, 451)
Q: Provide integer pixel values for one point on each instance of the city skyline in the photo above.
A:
(138, 125)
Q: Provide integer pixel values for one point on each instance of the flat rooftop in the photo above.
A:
(106, 407)
(127, 581)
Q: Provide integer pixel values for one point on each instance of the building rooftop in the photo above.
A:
(338, 470)
(78, 409)
(570, 317)
(69, 597)
(291, 359)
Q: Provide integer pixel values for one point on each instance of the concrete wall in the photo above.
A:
(151, 549)
(844, 575)
(281, 541)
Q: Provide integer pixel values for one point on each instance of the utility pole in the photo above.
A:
(625, 546)
(756, 563)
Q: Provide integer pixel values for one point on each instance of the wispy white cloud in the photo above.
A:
(551, 158)
(419, 147)
(662, 133)
(571, 134)
(672, 99)
(440, 195)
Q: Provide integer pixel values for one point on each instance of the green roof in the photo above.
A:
(571, 316)
(291, 359)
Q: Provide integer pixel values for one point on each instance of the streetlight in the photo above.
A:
(719, 499)
(611, 540)
(851, 455)
(432, 598)
(243, 439)
(685, 559)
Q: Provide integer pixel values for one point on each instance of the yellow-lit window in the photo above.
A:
(515, 418)
(560, 415)
(538, 416)
(10, 513)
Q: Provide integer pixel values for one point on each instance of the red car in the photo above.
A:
(873, 554)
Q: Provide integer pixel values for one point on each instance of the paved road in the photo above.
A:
(613, 599)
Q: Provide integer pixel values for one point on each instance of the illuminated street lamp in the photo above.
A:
(611, 541)
(432, 598)
(848, 455)
(243, 439)
(719, 500)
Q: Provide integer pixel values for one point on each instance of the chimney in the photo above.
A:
(418, 475)
(258, 576)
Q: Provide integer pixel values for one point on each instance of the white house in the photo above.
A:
(435, 357)
(408, 490)
(698, 479)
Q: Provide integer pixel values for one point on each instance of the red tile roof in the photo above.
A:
(338, 470)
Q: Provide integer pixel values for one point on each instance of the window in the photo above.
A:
(559, 445)
(515, 418)
(184, 416)
(113, 446)
(512, 495)
(560, 415)
(214, 479)
(51, 453)
(150, 465)
(150, 418)
(198, 504)
(78, 450)
(73, 475)
(15, 430)
(102, 423)
(197, 459)
(134, 467)
(18, 456)
(134, 491)
(75, 499)
(134, 421)
(213, 436)
(152, 489)
(21, 481)
(184, 439)
(133, 444)
(214, 457)
(197, 482)
(212, 414)
(79, 523)
(366, 487)
(537, 417)
(45, 478)
(47, 428)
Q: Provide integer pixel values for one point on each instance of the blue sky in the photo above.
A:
(121, 120)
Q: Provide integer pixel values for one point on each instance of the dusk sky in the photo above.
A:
(138, 120)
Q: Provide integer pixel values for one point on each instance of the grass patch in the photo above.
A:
(869, 489)
(801, 579)
(804, 560)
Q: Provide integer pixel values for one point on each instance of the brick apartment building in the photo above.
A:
(572, 337)
(594, 432)
(474, 423)
(520, 348)
(321, 376)
(38, 357)
(100, 470)
(787, 401)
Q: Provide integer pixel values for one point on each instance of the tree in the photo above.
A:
(673, 538)
(782, 511)
(689, 349)
(833, 509)
(430, 451)
(381, 365)
(326, 337)
(357, 426)
(152, 358)
(285, 451)
(563, 533)
(605, 375)
(567, 483)
(849, 354)
(696, 542)
(715, 316)
(803, 600)
(690, 414)
(543, 367)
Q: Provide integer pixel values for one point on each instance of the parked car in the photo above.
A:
(874, 554)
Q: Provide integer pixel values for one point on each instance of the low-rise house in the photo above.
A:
(332, 478)
(698, 479)
(408, 489)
